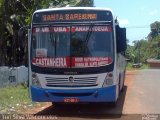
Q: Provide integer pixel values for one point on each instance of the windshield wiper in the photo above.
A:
(89, 33)
(53, 40)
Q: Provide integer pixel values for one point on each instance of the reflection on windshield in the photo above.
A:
(98, 42)
(54, 40)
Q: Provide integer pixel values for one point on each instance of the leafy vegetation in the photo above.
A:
(14, 14)
(145, 49)
(130, 66)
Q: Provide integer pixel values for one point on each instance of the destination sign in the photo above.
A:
(77, 62)
(72, 16)
(68, 17)
(72, 29)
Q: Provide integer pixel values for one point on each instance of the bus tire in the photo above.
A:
(55, 104)
(112, 104)
(119, 86)
(124, 73)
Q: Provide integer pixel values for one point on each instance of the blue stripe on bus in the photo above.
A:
(107, 94)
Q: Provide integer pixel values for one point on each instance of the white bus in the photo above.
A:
(76, 55)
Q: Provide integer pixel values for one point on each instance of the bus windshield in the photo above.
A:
(71, 44)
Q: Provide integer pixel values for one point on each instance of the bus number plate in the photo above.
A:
(71, 100)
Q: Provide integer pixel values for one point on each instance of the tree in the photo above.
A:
(154, 40)
(154, 46)
(85, 3)
(14, 14)
(155, 30)
(130, 53)
(139, 52)
(145, 49)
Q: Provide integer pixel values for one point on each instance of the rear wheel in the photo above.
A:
(124, 73)
(56, 104)
(119, 86)
(112, 104)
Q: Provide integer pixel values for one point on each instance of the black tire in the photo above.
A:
(112, 104)
(124, 74)
(119, 86)
(56, 104)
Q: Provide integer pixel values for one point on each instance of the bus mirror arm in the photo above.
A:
(25, 28)
(22, 31)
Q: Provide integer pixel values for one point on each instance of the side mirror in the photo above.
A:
(121, 39)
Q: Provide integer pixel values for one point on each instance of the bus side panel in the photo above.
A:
(122, 67)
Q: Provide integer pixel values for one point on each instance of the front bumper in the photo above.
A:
(107, 94)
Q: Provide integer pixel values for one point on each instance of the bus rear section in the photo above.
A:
(74, 57)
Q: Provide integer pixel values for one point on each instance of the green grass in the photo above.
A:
(129, 66)
(145, 66)
(13, 99)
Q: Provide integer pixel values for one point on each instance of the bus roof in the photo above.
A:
(73, 8)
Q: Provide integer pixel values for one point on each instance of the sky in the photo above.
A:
(135, 15)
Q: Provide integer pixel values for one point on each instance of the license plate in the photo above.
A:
(71, 100)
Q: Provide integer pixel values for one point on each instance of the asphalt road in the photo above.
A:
(141, 96)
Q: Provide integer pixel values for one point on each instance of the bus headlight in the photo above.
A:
(108, 80)
(35, 80)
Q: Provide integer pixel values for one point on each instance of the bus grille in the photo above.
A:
(77, 82)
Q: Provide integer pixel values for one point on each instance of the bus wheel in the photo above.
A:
(112, 104)
(124, 73)
(119, 86)
(55, 104)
